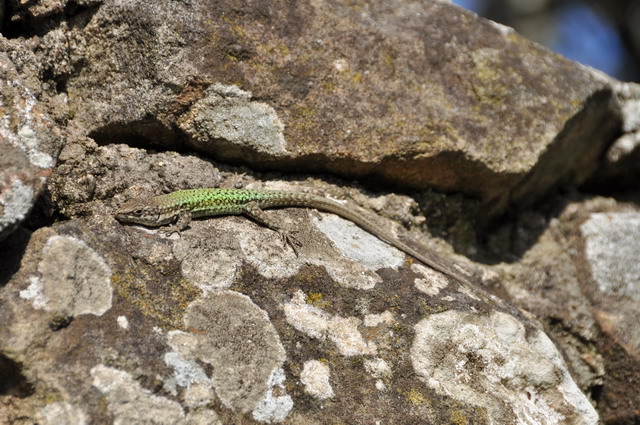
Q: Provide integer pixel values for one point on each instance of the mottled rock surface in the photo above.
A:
(222, 323)
(236, 325)
(417, 95)
(29, 138)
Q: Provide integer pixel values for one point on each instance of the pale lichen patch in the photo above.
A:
(185, 373)
(34, 293)
(276, 404)
(203, 261)
(359, 245)
(123, 322)
(431, 281)
(315, 377)
(128, 402)
(306, 318)
(199, 394)
(231, 333)
(228, 113)
(384, 318)
(449, 347)
(344, 333)
(73, 279)
(377, 367)
(62, 413)
(15, 203)
(315, 322)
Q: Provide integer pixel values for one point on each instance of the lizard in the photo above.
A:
(181, 206)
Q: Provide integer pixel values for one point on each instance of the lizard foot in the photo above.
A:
(168, 231)
(289, 239)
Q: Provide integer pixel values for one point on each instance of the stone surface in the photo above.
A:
(515, 362)
(609, 242)
(621, 168)
(244, 349)
(105, 323)
(29, 138)
(409, 94)
(263, 335)
(611, 248)
(578, 275)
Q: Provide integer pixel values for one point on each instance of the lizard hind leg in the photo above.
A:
(253, 211)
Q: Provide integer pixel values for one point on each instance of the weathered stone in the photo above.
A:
(621, 168)
(252, 349)
(106, 323)
(578, 275)
(260, 333)
(515, 362)
(29, 139)
(424, 95)
(612, 275)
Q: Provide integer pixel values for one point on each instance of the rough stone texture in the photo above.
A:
(421, 94)
(315, 377)
(268, 336)
(544, 282)
(608, 240)
(611, 250)
(71, 279)
(514, 364)
(578, 274)
(220, 320)
(621, 169)
(234, 343)
(29, 139)
(105, 323)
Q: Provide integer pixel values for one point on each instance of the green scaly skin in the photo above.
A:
(182, 205)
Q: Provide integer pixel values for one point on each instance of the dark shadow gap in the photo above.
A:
(12, 381)
(12, 249)
(18, 23)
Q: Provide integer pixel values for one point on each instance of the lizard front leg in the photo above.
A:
(182, 221)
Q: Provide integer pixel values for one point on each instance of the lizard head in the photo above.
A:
(139, 211)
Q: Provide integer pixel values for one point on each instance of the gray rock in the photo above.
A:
(29, 139)
(106, 323)
(609, 242)
(423, 95)
(159, 348)
(621, 168)
(225, 322)
(611, 248)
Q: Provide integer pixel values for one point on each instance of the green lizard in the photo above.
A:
(183, 205)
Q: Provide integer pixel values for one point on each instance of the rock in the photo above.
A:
(108, 323)
(580, 280)
(612, 282)
(223, 322)
(621, 168)
(545, 283)
(420, 96)
(281, 338)
(29, 138)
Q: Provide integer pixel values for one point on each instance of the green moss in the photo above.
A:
(458, 417)
(316, 299)
(388, 60)
(51, 397)
(416, 398)
(303, 119)
(143, 294)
